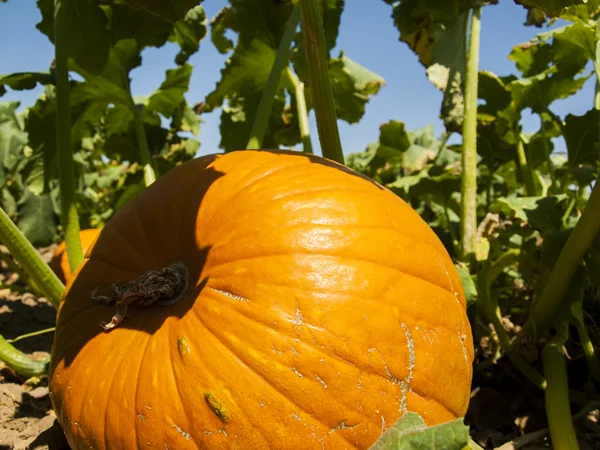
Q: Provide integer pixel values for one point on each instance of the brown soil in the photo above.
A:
(26, 417)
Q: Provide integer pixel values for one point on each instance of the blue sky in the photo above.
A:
(367, 35)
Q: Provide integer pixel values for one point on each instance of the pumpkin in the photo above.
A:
(60, 261)
(315, 308)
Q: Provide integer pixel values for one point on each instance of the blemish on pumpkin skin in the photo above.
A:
(232, 296)
(297, 417)
(383, 424)
(183, 433)
(183, 348)
(217, 408)
(143, 417)
(341, 426)
(321, 381)
(297, 372)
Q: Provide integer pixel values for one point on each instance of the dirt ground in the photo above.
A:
(506, 412)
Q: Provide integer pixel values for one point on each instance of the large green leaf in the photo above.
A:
(552, 7)
(171, 10)
(410, 432)
(88, 39)
(581, 136)
(36, 218)
(24, 80)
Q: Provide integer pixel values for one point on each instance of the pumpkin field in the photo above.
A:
(278, 291)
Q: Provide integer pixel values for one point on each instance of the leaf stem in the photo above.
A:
(316, 56)
(525, 167)
(302, 111)
(32, 262)
(69, 216)
(551, 299)
(469, 155)
(32, 334)
(558, 408)
(145, 158)
(22, 364)
(261, 121)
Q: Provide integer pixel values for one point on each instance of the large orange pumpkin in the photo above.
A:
(320, 308)
(60, 261)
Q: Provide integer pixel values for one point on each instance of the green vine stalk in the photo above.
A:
(301, 111)
(259, 127)
(552, 298)
(468, 220)
(316, 55)
(145, 158)
(69, 216)
(558, 410)
(525, 167)
(22, 364)
(29, 258)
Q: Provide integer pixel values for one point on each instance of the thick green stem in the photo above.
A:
(558, 408)
(22, 364)
(525, 167)
(259, 127)
(553, 295)
(316, 56)
(32, 263)
(302, 111)
(145, 158)
(469, 155)
(69, 216)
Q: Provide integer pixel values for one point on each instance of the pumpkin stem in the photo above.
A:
(164, 287)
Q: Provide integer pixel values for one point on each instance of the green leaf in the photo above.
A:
(410, 432)
(543, 213)
(581, 136)
(89, 39)
(552, 7)
(36, 218)
(171, 10)
(352, 86)
(13, 138)
(469, 287)
(169, 95)
(573, 47)
(24, 80)
(188, 32)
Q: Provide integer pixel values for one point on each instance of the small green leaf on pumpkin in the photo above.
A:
(410, 432)
(217, 408)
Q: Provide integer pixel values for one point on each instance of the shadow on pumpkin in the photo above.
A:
(151, 231)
